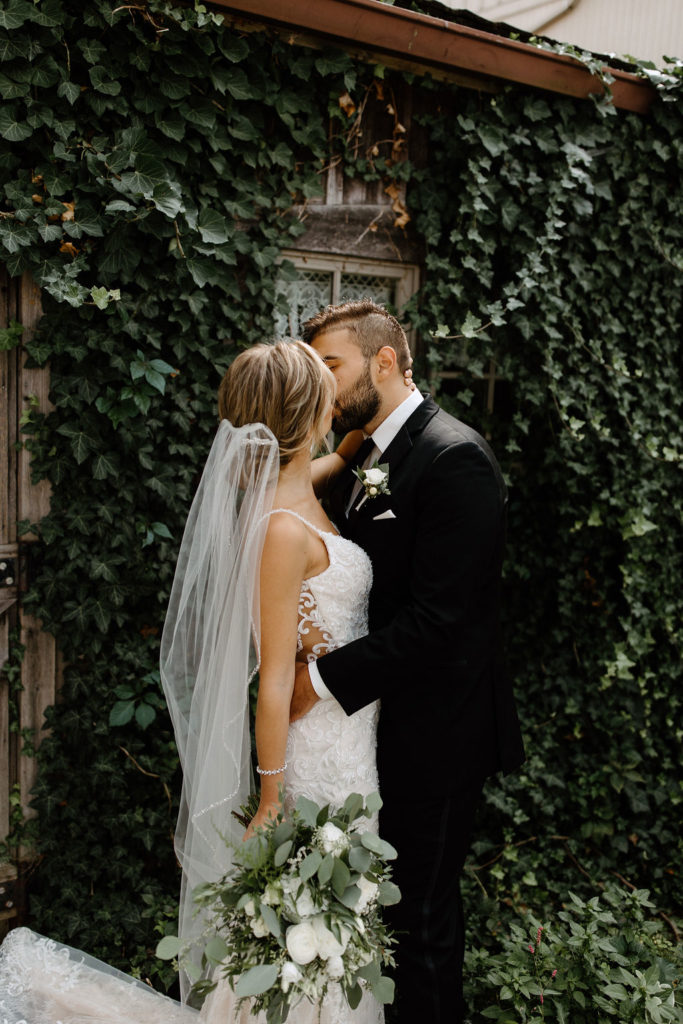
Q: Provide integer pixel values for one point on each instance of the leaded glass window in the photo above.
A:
(322, 280)
(311, 291)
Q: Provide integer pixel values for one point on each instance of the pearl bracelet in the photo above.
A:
(273, 771)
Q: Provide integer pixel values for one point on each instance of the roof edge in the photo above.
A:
(437, 43)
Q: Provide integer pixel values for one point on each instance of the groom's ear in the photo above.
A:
(386, 363)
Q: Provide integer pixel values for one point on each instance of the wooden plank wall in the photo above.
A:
(21, 389)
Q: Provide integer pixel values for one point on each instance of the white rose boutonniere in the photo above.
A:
(374, 480)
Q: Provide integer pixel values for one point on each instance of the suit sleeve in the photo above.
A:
(460, 522)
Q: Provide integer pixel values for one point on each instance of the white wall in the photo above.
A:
(643, 28)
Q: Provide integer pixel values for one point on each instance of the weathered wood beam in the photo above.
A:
(437, 43)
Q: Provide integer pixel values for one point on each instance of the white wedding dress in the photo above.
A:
(329, 755)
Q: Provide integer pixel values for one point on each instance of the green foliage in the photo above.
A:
(152, 215)
(10, 336)
(604, 960)
(149, 162)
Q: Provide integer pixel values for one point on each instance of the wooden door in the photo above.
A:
(28, 679)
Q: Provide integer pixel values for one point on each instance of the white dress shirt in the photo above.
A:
(382, 436)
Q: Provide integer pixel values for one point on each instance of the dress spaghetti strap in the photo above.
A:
(306, 522)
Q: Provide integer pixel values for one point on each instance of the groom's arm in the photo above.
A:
(460, 521)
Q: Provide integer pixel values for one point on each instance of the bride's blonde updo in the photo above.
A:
(286, 386)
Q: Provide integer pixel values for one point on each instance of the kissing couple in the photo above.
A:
(373, 622)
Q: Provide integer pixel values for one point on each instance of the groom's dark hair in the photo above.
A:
(372, 325)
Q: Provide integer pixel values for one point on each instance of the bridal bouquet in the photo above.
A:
(301, 909)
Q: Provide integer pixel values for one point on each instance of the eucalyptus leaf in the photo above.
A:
(168, 947)
(379, 846)
(384, 990)
(310, 865)
(326, 868)
(256, 980)
(282, 853)
(216, 949)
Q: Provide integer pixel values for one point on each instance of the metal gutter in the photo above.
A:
(439, 44)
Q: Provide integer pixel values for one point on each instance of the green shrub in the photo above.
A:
(602, 961)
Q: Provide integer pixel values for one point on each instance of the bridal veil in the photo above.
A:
(209, 653)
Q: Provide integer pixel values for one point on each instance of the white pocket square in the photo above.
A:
(385, 515)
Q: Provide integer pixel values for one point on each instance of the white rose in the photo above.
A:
(335, 968)
(375, 476)
(249, 908)
(289, 975)
(302, 942)
(305, 905)
(368, 894)
(332, 839)
(328, 945)
(259, 927)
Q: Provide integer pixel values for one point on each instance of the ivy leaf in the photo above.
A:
(16, 264)
(92, 50)
(332, 63)
(212, 227)
(81, 446)
(50, 232)
(470, 326)
(492, 139)
(11, 128)
(234, 47)
(144, 715)
(121, 713)
(238, 85)
(203, 271)
(103, 82)
(14, 14)
(161, 530)
(10, 337)
(10, 90)
(104, 466)
(167, 198)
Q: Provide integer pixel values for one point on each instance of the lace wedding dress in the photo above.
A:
(329, 755)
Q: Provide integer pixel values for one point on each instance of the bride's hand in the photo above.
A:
(265, 813)
(349, 444)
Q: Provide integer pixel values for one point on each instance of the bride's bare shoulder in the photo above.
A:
(286, 542)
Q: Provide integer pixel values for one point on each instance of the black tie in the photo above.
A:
(357, 460)
(362, 453)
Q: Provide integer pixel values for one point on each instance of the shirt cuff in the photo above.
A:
(317, 682)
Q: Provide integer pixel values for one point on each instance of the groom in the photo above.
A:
(432, 656)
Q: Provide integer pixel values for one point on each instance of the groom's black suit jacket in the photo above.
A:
(433, 653)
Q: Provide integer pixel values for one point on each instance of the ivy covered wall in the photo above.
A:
(150, 160)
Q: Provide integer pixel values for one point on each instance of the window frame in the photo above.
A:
(406, 275)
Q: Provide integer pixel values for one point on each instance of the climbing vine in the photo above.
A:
(154, 164)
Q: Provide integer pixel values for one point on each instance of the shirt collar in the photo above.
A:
(389, 428)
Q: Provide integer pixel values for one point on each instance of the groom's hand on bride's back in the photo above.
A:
(304, 696)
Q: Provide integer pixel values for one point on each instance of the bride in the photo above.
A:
(263, 579)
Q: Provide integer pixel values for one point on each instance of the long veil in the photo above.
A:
(209, 650)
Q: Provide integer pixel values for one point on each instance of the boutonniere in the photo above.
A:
(374, 480)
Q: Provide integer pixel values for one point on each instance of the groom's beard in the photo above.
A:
(356, 406)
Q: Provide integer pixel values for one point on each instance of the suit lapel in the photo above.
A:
(399, 448)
